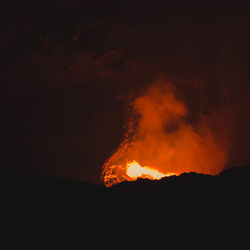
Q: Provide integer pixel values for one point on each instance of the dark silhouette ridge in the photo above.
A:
(182, 202)
(228, 190)
(231, 185)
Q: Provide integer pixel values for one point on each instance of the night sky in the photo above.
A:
(69, 67)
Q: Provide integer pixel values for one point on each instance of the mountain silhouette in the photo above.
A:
(186, 199)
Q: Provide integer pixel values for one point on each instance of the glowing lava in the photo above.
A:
(162, 134)
(135, 170)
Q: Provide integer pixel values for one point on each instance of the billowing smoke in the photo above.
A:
(162, 135)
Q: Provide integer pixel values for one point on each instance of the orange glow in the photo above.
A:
(135, 170)
(159, 134)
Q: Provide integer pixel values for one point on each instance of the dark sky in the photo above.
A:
(67, 67)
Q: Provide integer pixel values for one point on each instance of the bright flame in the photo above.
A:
(165, 139)
(135, 170)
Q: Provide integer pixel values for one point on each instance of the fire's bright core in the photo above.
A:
(135, 170)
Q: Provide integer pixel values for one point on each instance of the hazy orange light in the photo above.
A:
(160, 135)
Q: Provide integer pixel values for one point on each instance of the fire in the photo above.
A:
(135, 170)
(162, 140)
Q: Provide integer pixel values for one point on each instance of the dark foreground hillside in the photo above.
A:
(230, 186)
(190, 196)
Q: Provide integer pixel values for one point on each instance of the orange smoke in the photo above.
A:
(160, 136)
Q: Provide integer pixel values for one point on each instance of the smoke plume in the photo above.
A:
(161, 135)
